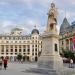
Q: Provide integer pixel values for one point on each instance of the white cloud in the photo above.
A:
(70, 1)
(3, 3)
(43, 2)
(6, 23)
(27, 2)
(6, 26)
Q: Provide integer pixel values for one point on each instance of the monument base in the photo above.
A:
(51, 63)
(44, 71)
(48, 65)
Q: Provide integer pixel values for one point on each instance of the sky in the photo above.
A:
(28, 13)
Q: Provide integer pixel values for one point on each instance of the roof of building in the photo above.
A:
(4, 35)
(65, 24)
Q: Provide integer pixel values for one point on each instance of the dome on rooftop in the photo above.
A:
(35, 31)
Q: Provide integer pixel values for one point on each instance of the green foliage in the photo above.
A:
(68, 54)
(19, 57)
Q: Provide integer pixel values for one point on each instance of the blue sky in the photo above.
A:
(27, 13)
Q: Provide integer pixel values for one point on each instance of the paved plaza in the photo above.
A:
(20, 69)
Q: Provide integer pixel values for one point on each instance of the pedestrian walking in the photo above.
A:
(5, 63)
(71, 63)
(0, 63)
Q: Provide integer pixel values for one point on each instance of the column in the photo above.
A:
(30, 52)
(9, 53)
(4, 50)
(64, 44)
(69, 44)
(17, 49)
(22, 50)
(0, 50)
(13, 52)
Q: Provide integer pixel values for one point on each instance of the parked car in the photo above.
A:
(65, 60)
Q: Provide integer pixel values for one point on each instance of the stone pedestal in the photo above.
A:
(50, 59)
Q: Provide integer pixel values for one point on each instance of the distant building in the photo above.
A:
(67, 36)
(15, 43)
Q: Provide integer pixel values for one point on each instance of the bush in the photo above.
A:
(19, 57)
(68, 54)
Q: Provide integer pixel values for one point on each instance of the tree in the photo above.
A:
(19, 57)
(68, 54)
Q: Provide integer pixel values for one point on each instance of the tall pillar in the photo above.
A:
(64, 44)
(13, 52)
(4, 50)
(69, 44)
(0, 50)
(9, 52)
(22, 49)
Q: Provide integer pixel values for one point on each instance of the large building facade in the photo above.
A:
(15, 43)
(67, 36)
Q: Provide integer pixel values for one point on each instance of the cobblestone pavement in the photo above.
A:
(19, 69)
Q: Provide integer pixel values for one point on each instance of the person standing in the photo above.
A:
(71, 63)
(5, 63)
(0, 63)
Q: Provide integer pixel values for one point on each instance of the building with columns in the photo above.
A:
(15, 43)
(67, 36)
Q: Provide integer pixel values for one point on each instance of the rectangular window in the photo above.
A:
(15, 41)
(15, 53)
(24, 46)
(11, 46)
(11, 53)
(15, 46)
(56, 49)
(6, 53)
(36, 49)
(19, 50)
(32, 53)
(7, 46)
(24, 53)
(33, 49)
(7, 41)
(19, 46)
(35, 45)
(11, 50)
(15, 50)
(24, 50)
(2, 53)
(6, 50)
(28, 50)
(2, 50)
(35, 53)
